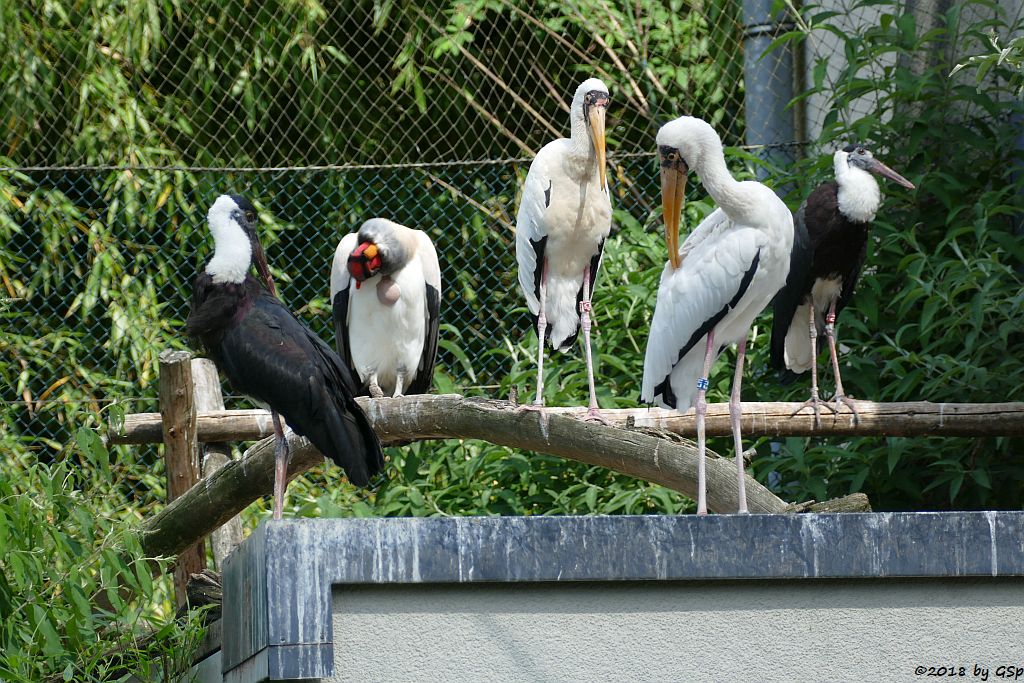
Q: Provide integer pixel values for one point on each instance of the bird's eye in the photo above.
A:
(861, 150)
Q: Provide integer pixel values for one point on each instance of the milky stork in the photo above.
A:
(565, 215)
(828, 254)
(386, 326)
(726, 272)
(266, 353)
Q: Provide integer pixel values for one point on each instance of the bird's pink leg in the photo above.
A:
(593, 411)
(542, 326)
(830, 332)
(735, 412)
(814, 401)
(701, 409)
(281, 455)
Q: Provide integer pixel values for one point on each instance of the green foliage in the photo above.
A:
(66, 559)
(1009, 59)
(937, 315)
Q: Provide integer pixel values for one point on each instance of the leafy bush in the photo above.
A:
(66, 555)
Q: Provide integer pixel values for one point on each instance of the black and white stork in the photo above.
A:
(565, 215)
(712, 288)
(268, 354)
(828, 254)
(386, 325)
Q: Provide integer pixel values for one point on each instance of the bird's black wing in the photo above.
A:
(339, 311)
(793, 293)
(664, 387)
(273, 357)
(839, 244)
(538, 249)
(425, 370)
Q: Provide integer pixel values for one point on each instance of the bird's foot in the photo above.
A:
(375, 391)
(398, 394)
(815, 404)
(850, 403)
(594, 415)
(542, 415)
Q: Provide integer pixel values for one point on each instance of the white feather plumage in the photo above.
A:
(388, 338)
(232, 251)
(750, 221)
(563, 201)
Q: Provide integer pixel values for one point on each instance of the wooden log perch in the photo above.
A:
(178, 410)
(208, 397)
(919, 418)
(670, 463)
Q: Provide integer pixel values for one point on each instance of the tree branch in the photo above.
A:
(920, 418)
(673, 464)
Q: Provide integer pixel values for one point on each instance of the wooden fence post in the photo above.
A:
(181, 453)
(208, 398)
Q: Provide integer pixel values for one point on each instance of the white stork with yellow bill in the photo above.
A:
(712, 288)
(565, 215)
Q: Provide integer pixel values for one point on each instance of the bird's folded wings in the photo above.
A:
(531, 230)
(341, 280)
(432, 281)
(695, 298)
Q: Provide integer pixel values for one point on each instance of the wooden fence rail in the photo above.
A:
(919, 418)
(646, 443)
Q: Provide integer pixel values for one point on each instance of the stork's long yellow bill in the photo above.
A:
(597, 116)
(673, 189)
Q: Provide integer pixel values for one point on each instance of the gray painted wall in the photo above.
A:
(676, 631)
(649, 597)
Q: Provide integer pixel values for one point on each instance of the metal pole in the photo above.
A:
(769, 86)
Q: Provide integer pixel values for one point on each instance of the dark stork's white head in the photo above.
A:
(379, 250)
(233, 221)
(589, 109)
(859, 195)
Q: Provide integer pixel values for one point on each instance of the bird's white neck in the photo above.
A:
(582, 157)
(733, 196)
(859, 195)
(232, 252)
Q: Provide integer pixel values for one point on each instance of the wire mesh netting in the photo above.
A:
(122, 121)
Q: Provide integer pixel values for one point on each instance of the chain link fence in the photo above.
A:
(121, 122)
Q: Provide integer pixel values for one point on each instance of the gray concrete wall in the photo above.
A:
(676, 631)
(625, 598)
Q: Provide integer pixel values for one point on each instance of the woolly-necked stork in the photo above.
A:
(828, 254)
(266, 353)
(726, 272)
(386, 326)
(565, 215)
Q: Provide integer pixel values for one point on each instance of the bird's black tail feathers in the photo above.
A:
(341, 431)
(348, 439)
